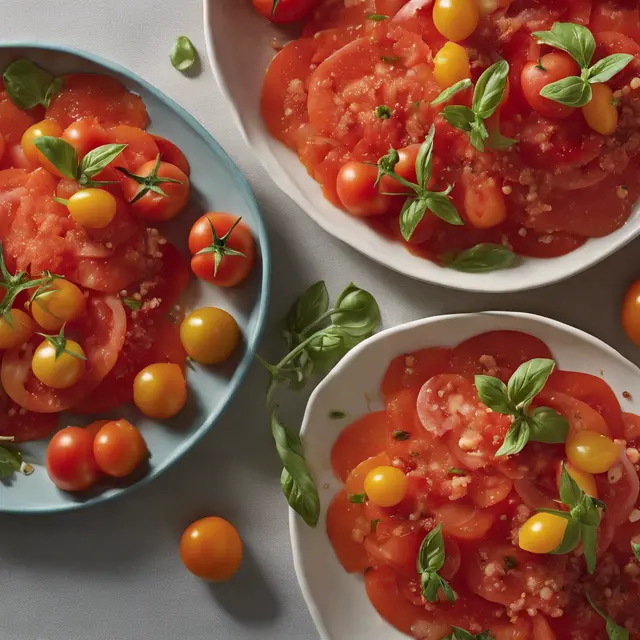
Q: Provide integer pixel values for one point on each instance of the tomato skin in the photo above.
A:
(160, 390)
(59, 372)
(343, 517)
(591, 452)
(232, 269)
(172, 154)
(32, 153)
(555, 66)
(63, 302)
(15, 333)
(70, 462)
(451, 64)
(209, 335)
(287, 10)
(386, 486)
(484, 202)
(84, 135)
(211, 549)
(542, 533)
(601, 112)
(119, 448)
(92, 208)
(356, 190)
(631, 312)
(456, 19)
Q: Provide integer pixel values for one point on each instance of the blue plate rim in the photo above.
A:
(265, 287)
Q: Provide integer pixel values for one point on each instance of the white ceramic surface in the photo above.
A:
(239, 49)
(337, 600)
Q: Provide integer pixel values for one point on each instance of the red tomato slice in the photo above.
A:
(619, 15)
(631, 426)
(541, 629)
(414, 369)
(463, 521)
(141, 146)
(396, 544)
(12, 189)
(579, 414)
(355, 480)
(611, 42)
(486, 490)
(86, 95)
(172, 154)
(102, 336)
(26, 425)
(552, 245)
(416, 15)
(13, 120)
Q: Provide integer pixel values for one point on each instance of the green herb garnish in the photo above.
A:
(430, 560)
(28, 85)
(183, 54)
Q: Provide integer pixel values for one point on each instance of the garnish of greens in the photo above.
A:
(579, 43)
(614, 631)
(419, 198)
(461, 634)
(219, 246)
(11, 461)
(65, 158)
(183, 54)
(430, 560)
(541, 424)
(148, 183)
(59, 343)
(28, 85)
(583, 519)
(377, 17)
(357, 498)
(317, 338)
(487, 96)
(132, 303)
(635, 547)
(383, 112)
(481, 258)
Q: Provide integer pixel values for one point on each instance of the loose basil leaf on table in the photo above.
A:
(28, 85)
(183, 54)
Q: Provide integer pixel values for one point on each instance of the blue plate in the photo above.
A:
(217, 184)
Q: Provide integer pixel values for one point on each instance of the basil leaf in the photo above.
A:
(528, 381)
(482, 258)
(357, 312)
(132, 303)
(447, 94)
(28, 85)
(431, 553)
(377, 17)
(440, 204)
(412, 213)
(590, 515)
(455, 471)
(606, 68)
(571, 91)
(60, 153)
(493, 393)
(398, 434)
(296, 481)
(458, 116)
(589, 537)
(575, 39)
(424, 159)
(478, 135)
(183, 54)
(10, 463)
(449, 593)
(547, 425)
(430, 583)
(337, 415)
(461, 634)
(570, 492)
(489, 89)
(328, 347)
(306, 310)
(497, 141)
(570, 539)
(99, 158)
(515, 440)
(635, 547)
(383, 112)
(357, 498)
(614, 631)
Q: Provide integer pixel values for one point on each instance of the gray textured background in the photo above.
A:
(113, 572)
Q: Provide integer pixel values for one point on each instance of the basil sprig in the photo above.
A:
(317, 337)
(28, 85)
(461, 634)
(487, 96)
(614, 631)
(430, 560)
(579, 43)
(65, 158)
(420, 199)
(482, 258)
(543, 424)
(183, 54)
(583, 519)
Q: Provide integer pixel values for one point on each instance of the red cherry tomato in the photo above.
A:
(537, 75)
(70, 461)
(85, 134)
(356, 190)
(119, 448)
(406, 168)
(232, 269)
(286, 10)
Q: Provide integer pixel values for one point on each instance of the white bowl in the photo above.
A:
(337, 600)
(239, 49)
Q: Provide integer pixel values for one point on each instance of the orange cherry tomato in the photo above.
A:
(631, 312)
(119, 448)
(31, 152)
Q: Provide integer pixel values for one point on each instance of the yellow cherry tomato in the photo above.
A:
(92, 208)
(586, 481)
(591, 452)
(59, 372)
(209, 335)
(386, 486)
(15, 329)
(631, 312)
(542, 533)
(451, 64)
(61, 302)
(456, 19)
(211, 549)
(601, 112)
(160, 390)
(35, 131)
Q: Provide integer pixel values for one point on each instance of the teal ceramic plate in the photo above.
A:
(217, 184)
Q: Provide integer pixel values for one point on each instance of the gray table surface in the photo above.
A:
(113, 572)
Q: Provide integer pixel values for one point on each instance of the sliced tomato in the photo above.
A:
(417, 15)
(631, 426)
(403, 425)
(396, 544)
(541, 628)
(24, 426)
(141, 146)
(414, 369)
(485, 490)
(463, 521)
(13, 120)
(12, 189)
(542, 244)
(616, 15)
(355, 480)
(612, 42)
(579, 414)
(172, 154)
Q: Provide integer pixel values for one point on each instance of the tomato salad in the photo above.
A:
(499, 128)
(90, 317)
(495, 497)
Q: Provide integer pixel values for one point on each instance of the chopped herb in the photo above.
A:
(510, 563)
(397, 434)
(357, 498)
(414, 454)
(389, 59)
(132, 303)
(377, 17)
(337, 415)
(455, 471)
(383, 112)
(374, 525)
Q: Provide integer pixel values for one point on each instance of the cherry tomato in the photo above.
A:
(537, 75)
(287, 10)
(542, 533)
(456, 19)
(69, 460)
(232, 268)
(209, 335)
(155, 206)
(119, 448)
(631, 313)
(31, 152)
(591, 452)
(3, 146)
(211, 549)
(356, 190)
(84, 135)
(15, 331)
(92, 208)
(483, 201)
(61, 302)
(451, 64)
(601, 112)
(355, 482)
(59, 372)
(95, 426)
(406, 168)
(386, 486)
(586, 481)
(160, 390)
